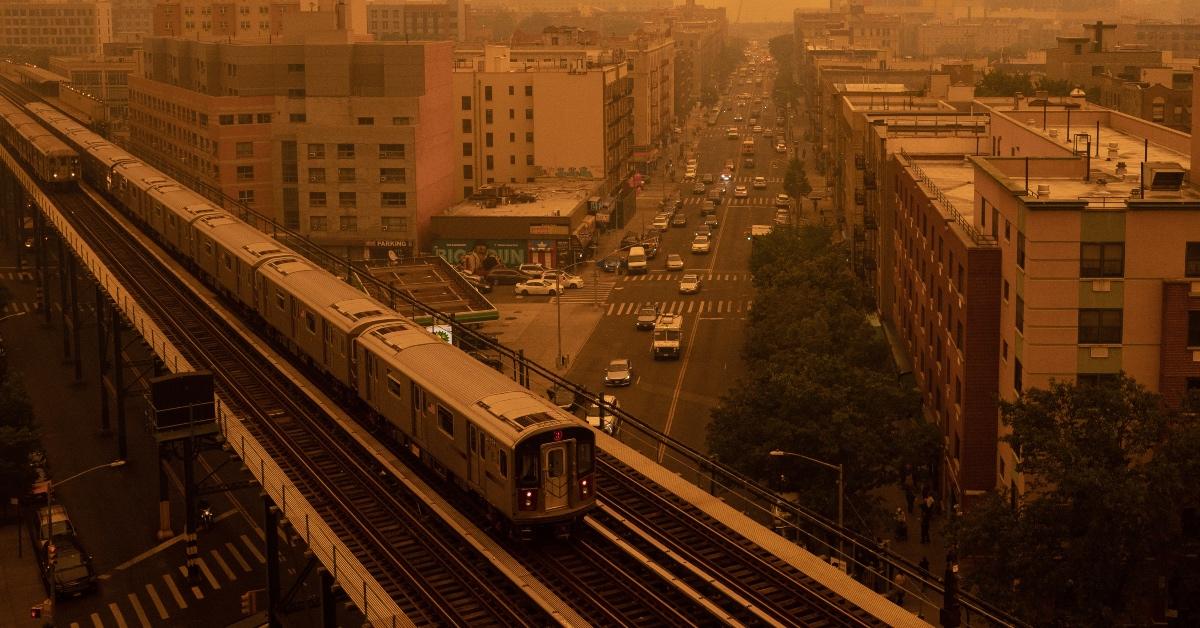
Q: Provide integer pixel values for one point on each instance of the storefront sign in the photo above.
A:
(558, 230)
(480, 256)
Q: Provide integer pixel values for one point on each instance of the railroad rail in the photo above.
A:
(431, 574)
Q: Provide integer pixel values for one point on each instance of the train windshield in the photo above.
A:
(527, 468)
(555, 463)
(584, 458)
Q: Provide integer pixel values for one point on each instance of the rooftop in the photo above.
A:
(872, 88)
(542, 199)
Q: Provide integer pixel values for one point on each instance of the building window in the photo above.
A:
(394, 223)
(466, 103)
(512, 137)
(316, 199)
(1096, 379)
(401, 120)
(512, 114)
(1021, 250)
(347, 200)
(1007, 230)
(528, 160)
(1193, 328)
(318, 223)
(1101, 259)
(1099, 326)
(345, 151)
(487, 92)
(393, 199)
(345, 175)
(467, 149)
(1006, 290)
(1020, 314)
(510, 90)
(529, 114)
(366, 121)
(529, 136)
(295, 67)
(487, 140)
(245, 173)
(245, 118)
(225, 119)
(316, 175)
(528, 90)
(466, 125)
(391, 175)
(295, 92)
(1191, 260)
(246, 197)
(487, 116)
(958, 335)
(263, 118)
(347, 223)
(316, 151)
(391, 151)
(468, 172)
(512, 160)
(1017, 375)
(244, 149)
(297, 117)
(491, 165)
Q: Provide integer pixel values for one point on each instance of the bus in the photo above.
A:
(748, 146)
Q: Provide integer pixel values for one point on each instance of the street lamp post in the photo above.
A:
(50, 502)
(841, 485)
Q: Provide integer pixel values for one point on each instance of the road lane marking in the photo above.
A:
(223, 565)
(141, 612)
(253, 550)
(150, 552)
(208, 575)
(116, 612)
(74, 624)
(687, 358)
(238, 557)
(175, 591)
(96, 620)
(158, 605)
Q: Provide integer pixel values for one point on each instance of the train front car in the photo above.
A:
(555, 477)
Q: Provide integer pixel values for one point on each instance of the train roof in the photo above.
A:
(500, 406)
(250, 245)
(333, 299)
(41, 139)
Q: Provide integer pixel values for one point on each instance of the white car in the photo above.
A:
(740, 192)
(781, 148)
(660, 222)
(689, 284)
(760, 183)
(758, 128)
(783, 201)
(567, 280)
(674, 262)
(701, 244)
(689, 176)
(731, 133)
(536, 286)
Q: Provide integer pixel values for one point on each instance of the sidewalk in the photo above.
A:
(913, 550)
(19, 578)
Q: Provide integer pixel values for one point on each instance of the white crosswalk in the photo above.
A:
(700, 307)
(154, 604)
(591, 292)
(675, 275)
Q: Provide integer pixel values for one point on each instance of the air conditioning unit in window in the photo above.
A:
(383, 227)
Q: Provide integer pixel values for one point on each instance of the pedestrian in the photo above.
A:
(901, 581)
(901, 521)
(909, 496)
(924, 565)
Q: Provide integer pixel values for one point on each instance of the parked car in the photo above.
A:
(478, 283)
(608, 264)
(618, 373)
(783, 200)
(701, 244)
(699, 188)
(604, 420)
(781, 147)
(53, 524)
(536, 286)
(729, 165)
(748, 162)
(707, 178)
(689, 284)
(782, 217)
(738, 117)
(740, 192)
(565, 279)
(70, 573)
(646, 317)
(760, 183)
(674, 261)
(680, 220)
(661, 221)
(505, 276)
(533, 270)
(758, 128)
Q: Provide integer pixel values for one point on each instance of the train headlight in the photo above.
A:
(527, 499)
(585, 487)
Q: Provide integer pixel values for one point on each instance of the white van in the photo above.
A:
(636, 262)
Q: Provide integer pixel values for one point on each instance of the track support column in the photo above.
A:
(102, 364)
(73, 284)
(164, 496)
(118, 382)
(189, 507)
(271, 527)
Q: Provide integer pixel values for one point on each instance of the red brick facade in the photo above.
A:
(1178, 364)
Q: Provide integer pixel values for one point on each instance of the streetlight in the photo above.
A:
(776, 453)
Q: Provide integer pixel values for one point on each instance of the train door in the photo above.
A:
(473, 438)
(418, 414)
(555, 479)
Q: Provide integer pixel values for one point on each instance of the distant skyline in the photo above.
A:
(764, 10)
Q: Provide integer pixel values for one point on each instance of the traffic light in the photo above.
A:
(35, 611)
(249, 603)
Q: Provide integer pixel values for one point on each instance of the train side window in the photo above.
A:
(310, 322)
(554, 463)
(208, 247)
(503, 464)
(584, 458)
(228, 260)
(482, 450)
(280, 301)
(445, 420)
(393, 385)
(418, 398)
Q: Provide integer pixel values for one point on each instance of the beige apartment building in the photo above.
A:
(418, 21)
(536, 112)
(132, 19)
(348, 143)
(104, 78)
(65, 27)
(652, 70)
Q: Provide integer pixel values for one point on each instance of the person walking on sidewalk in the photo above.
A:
(900, 581)
(901, 521)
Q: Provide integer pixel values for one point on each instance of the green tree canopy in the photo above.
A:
(795, 180)
(1109, 473)
(18, 437)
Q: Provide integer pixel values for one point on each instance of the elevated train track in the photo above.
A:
(648, 558)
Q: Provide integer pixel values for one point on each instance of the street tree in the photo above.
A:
(1110, 477)
(1001, 83)
(18, 438)
(795, 180)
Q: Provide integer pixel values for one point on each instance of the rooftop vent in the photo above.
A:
(1164, 176)
(1122, 169)
(1043, 190)
(1112, 151)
